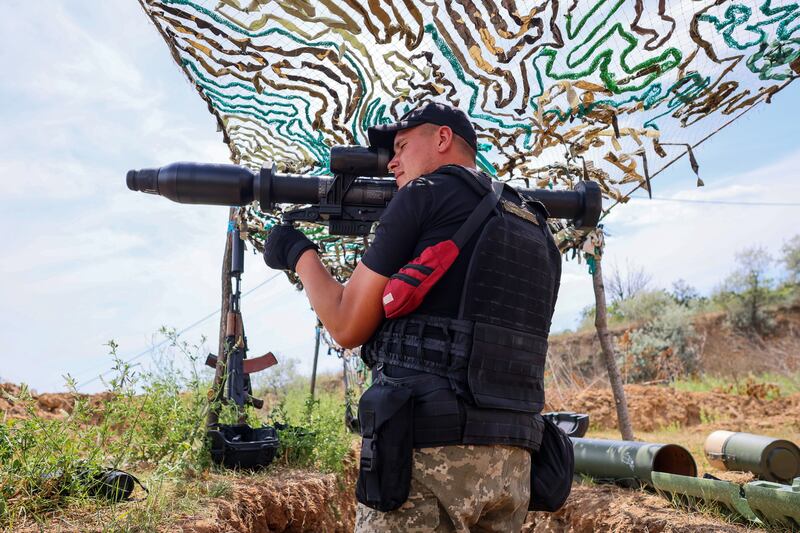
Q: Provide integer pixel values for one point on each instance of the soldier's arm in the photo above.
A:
(352, 312)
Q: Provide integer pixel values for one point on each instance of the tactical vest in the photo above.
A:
(493, 354)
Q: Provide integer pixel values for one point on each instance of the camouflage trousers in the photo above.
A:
(459, 488)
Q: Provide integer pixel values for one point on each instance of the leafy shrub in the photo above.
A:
(279, 379)
(314, 434)
(662, 346)
(644, 307)
(144, 418)
(152, 422)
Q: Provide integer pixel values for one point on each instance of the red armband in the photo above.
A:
(407, 288)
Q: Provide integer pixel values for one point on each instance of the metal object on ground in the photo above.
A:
(573, 424)
(630, 463)
(724, 493)
(774, 503)
(238, 445)
(769, 458)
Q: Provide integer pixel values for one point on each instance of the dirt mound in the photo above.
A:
(284, 500)
(607, 508)
(47, 406)
(722, 351)
(304, 502)
(655, 407)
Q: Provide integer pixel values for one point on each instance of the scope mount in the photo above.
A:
(355, 220)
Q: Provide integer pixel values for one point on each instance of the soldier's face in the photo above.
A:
(415, 154)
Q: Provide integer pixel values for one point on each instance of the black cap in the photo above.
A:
(432, 113)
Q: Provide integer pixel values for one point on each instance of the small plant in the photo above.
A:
(312, 431)
(219, 489)
(673, 427)
(152, 421)
(708, 417)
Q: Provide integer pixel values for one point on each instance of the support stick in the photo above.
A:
(316, 356)
(609, 354)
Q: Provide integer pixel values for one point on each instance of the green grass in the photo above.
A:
(316, 435)
(153, 425)
(776, 384)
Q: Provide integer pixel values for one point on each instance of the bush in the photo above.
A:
(278, 379)
(151, 423)
(684, 294)
(662, 346)
(644, 307)
(312, 431)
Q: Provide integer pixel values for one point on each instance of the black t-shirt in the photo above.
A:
(427, 211)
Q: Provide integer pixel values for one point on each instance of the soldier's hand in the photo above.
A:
(284, 246)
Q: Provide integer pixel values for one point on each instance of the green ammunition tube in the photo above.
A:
(768, 458)
(630, 463)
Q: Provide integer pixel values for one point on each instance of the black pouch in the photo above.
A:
(386, 416)
(502, 374)
(552, 468)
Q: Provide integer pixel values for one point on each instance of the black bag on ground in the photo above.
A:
(386, 415)
(552, 468)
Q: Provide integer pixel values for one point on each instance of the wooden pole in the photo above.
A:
(609, 354)
(217, 392)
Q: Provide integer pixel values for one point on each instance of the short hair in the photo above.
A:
(464, 146)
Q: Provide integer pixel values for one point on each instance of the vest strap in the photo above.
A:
(476, 218)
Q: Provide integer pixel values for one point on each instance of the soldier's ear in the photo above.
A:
(444, 138)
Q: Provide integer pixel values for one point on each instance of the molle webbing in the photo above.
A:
(511, 278)
(427, 343)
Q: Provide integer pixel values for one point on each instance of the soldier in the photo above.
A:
(455, 309)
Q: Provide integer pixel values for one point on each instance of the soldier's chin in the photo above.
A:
(403, 179)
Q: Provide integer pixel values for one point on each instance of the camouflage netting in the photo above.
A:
(611, 91)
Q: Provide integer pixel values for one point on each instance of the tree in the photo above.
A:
(791, 258)
(623, 285)
(746, 292)
(683, 293)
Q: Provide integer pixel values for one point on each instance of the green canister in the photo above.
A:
(768, 458)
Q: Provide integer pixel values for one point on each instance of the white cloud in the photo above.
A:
(693, 241)
(70, 62)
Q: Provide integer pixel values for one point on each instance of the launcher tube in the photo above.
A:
(630, 463)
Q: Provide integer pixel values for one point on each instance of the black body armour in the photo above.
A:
(493, 355)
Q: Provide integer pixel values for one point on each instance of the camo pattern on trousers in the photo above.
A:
(459, 488)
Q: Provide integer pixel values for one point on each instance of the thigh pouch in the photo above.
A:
(386, 415)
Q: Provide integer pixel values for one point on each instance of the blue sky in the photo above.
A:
(90, 91)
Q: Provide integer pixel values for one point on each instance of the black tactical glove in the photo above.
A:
(284, 246)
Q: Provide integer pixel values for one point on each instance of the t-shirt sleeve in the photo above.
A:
(399, 229)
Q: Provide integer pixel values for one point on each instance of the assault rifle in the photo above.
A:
(348, 203)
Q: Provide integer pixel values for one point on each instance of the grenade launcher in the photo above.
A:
(348, 203)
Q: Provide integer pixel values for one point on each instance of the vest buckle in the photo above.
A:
(369, 457)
